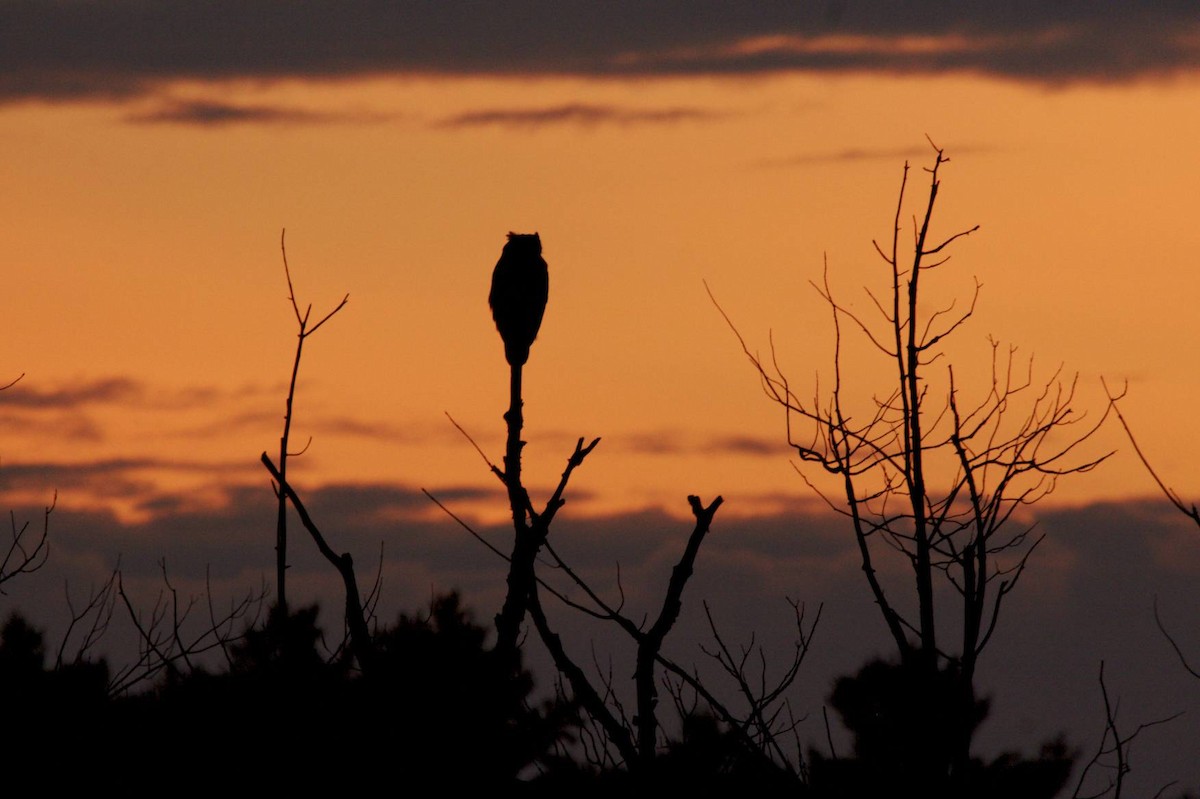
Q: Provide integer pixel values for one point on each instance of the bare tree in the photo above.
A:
(927, 475)
(635, 739)
(355, 616)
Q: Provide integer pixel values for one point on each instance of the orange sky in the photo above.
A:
(149, 252)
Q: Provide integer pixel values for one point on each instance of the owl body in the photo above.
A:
(520, 286)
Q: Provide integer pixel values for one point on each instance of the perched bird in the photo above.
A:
(520, 284)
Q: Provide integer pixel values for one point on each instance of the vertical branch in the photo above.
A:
(915, 442)
(520, 572)
(530, 536)
(650, 644)
(973, 558)
(281, 517)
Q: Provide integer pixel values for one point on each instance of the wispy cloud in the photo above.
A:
(670, 442)
(74, 395)
(68, 425)
(575, 114)
(358, 428)
(27, 395)
(102, 474)
(856, 154)
(315, 424)
(746, 445)
(214, 113)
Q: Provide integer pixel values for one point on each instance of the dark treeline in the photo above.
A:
(282, 712)
(441, 708)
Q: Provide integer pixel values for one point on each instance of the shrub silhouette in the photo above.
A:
(904, 724)
(438, 707)
(51, 716)
(459, 698)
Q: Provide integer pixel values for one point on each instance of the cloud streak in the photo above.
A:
(858, 154)
(103, 474)
(106, 390)
(124, 391)
(70, 49)
(215, 114)
(575, 114)
(668, 442)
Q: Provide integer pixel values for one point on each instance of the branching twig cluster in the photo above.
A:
(1112, 755)
(612, 734)
(170, 640)
(938, 483)
(769, 718)
(28, 548)
(929, 477)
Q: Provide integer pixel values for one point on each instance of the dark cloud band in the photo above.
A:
(70, 49)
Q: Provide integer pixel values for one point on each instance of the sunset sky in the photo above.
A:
(153, 153)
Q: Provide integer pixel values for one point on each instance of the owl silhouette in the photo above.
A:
(520, 285)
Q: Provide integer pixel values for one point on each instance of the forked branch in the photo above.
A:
(303, 332)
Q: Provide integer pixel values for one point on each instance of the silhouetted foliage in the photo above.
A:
(458, 696)
(705, 758)
(905, 723)
(438, 705)
(51, 716)
(439, 708)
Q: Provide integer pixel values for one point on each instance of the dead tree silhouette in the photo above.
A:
(924, 475)
(610, 738)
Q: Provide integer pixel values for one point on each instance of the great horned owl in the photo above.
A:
(520, 285)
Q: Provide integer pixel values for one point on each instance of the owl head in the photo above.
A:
(525, 243)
